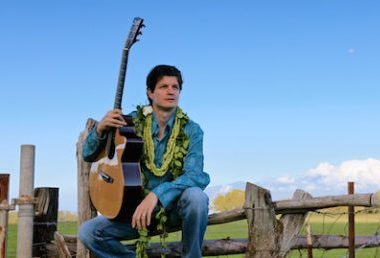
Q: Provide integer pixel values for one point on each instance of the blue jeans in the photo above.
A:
(102, 236)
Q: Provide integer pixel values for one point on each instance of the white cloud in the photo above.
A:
(328, 179)
(285, 180)
(364, 173)
(322, 169)
(324, 179)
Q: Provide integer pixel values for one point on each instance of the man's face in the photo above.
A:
(166, 94)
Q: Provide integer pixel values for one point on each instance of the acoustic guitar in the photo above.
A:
(115, 175)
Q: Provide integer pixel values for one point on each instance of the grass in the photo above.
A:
(366, 224)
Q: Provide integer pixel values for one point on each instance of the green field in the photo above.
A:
(366, 224)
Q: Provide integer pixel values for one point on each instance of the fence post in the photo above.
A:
(292, 224)
(45, 219)
(248, 206)
(351, 224)
(263, 227)
(4, 191)
(309, 242)
(26, 209)
(85, 209)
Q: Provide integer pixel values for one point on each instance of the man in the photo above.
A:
(173, 171)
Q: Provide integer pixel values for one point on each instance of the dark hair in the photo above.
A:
(158, 72)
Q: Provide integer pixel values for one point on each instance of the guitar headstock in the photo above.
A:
(134, 32)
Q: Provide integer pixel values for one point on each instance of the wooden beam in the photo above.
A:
(292, 206)
(237, 246)
(4, 192)
(63, 250)
(85, 208)
(328, 242)
(292, 224)
(264, 229)
(45, 218)
(226, 216)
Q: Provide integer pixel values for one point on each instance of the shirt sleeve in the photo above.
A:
(193, 174)
(93, 145)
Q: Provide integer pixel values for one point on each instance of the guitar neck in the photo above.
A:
(132, 38)
(110, 145)
(121, 79)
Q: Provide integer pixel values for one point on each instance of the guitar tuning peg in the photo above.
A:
(143, 26)
(139, 33)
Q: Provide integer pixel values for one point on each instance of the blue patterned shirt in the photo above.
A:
(165, 188)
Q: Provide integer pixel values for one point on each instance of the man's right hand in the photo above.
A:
(113, 118)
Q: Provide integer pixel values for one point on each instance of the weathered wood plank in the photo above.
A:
(4, 192)
(292, 206)
(248, 207)
(226, 216)
(264, 228)
(46, 214)
(237, 246)
(63, 250)
(292, 224)
(45, 218)
(85, 208)
(209, 248)
(375, 199)
(332, 242)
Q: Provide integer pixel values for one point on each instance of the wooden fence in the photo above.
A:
(275, 240)
(273, 226)
(268, 236)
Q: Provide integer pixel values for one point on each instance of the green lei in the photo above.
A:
(176, 150)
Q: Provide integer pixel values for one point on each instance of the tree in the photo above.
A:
(229, 201)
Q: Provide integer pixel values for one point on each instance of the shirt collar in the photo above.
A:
(155, 125)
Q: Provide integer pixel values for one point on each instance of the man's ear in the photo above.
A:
(149, 93)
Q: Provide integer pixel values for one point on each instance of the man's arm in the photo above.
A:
(95, 140)
(93, 145)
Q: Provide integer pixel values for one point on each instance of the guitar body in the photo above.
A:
(116, 184)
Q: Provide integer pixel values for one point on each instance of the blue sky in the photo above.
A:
(279, 87)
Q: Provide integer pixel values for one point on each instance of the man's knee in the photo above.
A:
(86, 233)
(194, 199)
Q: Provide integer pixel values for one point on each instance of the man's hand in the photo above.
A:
(113, 118)
(143, 213)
